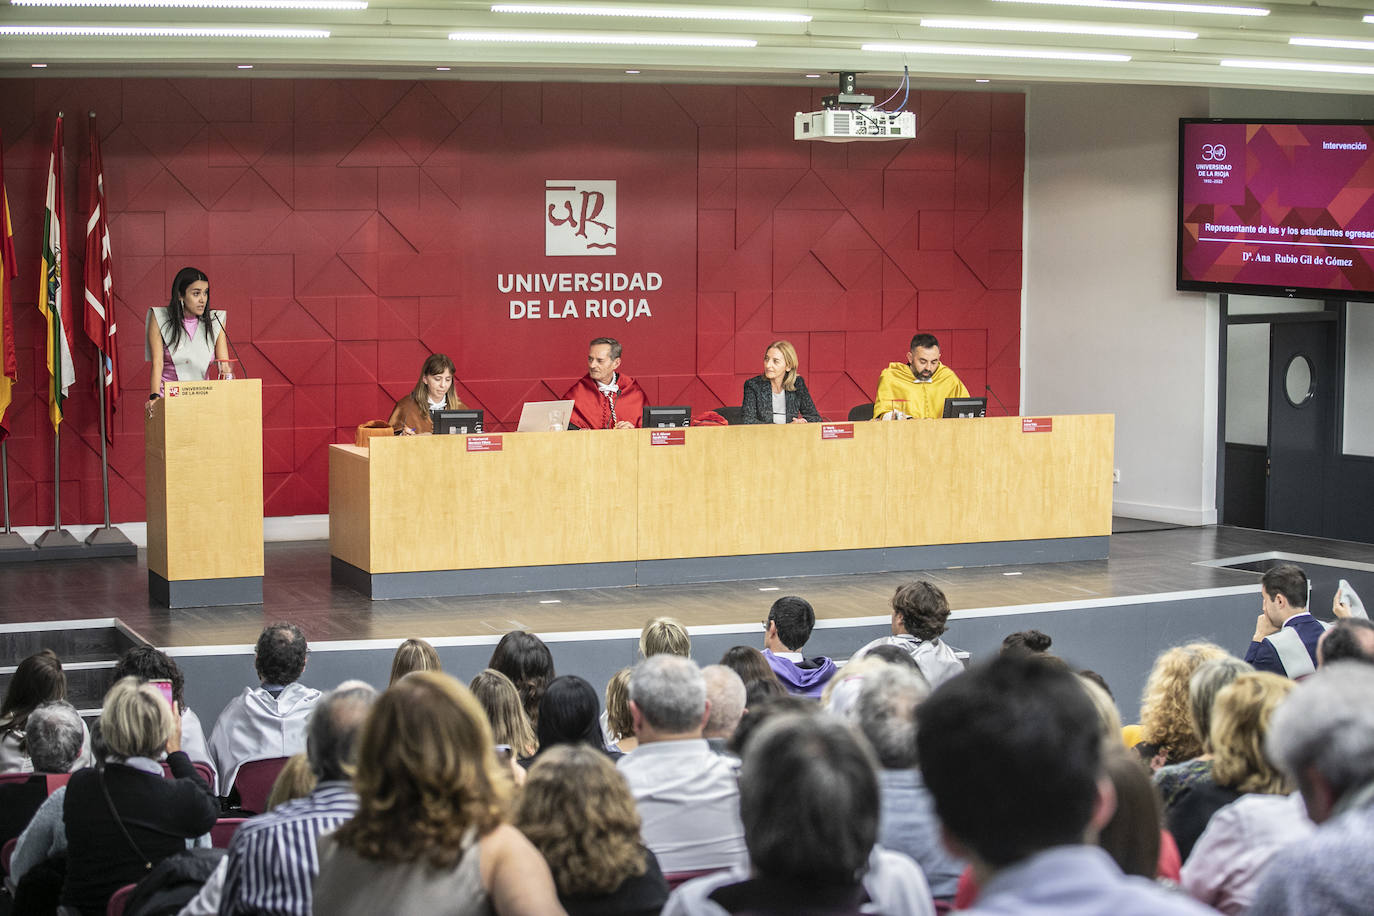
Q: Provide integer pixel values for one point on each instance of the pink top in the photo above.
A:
(169, 371)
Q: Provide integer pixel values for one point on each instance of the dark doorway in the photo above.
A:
(1302, 406)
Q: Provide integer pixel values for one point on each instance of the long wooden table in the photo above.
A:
(440, 515)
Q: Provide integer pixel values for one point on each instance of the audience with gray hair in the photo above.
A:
(332, 734)
(1322, 736)
(886, 713)
(668, 693)
(54, 737)
(725, 695)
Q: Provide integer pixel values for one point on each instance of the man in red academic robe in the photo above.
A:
(605, 398)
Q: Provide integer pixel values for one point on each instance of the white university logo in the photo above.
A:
(579, 218)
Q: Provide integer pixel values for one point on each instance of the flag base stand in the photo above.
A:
(109, 542)
(59, 542)
(14, 548)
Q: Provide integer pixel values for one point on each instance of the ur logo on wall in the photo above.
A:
(579, 218)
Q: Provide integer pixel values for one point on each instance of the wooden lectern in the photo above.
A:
(203, 465)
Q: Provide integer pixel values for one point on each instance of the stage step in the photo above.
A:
(89, 650)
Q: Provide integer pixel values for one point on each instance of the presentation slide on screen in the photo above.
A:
(1279, 205)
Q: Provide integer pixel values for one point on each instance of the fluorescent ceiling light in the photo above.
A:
(593, 38)
(1369, 19)
(650, 12)
(1159, 7)
(100, 31)
(954, 51)
(1334, 43)
(1056, 28)
(208, 4)
(1299, 66)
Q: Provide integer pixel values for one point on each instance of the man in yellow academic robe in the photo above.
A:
(918, 387)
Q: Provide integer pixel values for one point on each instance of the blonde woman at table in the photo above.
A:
(183, 338)
(779, 395)
(434, 391)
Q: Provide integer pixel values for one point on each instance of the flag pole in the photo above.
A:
(10, 539)
(115, 543)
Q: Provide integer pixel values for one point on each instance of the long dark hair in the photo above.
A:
(568, 714)
(176, 312)
(37, 680)
(525, 659)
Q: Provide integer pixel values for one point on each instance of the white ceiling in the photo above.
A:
(408, 39)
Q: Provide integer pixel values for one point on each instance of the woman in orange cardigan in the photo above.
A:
(434, 391)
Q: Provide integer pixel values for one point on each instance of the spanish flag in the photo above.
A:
(54, 301)
(9, 268)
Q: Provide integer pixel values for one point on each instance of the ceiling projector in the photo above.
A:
(848, 116)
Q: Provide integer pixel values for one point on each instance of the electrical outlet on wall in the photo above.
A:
(1116, 475)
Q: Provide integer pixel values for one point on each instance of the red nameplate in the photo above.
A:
(1037, 424)
(667, 437)
(484, 443)
(837, 430)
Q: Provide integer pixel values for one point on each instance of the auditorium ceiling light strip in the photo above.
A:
(1299, 66)
(1024, 54)
(650, 12)
(1152, 6)
(1057, 28)
(1333, 43)
(206, 4)
(592, 38)
(98, 31)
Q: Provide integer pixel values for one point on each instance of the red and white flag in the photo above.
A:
(99, 312)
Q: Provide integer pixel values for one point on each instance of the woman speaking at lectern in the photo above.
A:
(185, 336)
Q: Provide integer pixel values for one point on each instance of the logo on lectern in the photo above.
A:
(579, 218)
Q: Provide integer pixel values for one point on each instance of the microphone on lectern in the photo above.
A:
(998, 400)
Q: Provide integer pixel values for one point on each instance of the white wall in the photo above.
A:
(1105, 331)
(1359, 379)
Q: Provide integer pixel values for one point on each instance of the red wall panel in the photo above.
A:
(351, 227)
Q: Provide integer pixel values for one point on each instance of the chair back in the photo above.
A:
(118, 900)
(7, 853)
(861, 412)
(224, 831)
(733, 415)
(7, 778)
(254, 782)
(675, 878)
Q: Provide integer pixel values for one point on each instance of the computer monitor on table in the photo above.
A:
(965, 407)
(454, 422)
(666, 417)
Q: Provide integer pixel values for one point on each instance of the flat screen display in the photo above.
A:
(1277, 208)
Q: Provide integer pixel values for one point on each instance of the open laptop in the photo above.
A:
(455, 422)
(965, 407)
(543, 416)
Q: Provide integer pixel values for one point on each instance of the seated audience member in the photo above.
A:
(1231, 857)
(920, 613)
(272, 859)
(762, 711)
(1026, 642)
(568, 715)
(892, 655)
(54, 737)
(1012, 754)
(527, 661)
(1351, 638)
(118, 819)
(788, 627)
(809, 801)
(605, 398)
(577, 811)
(1203, 687)
(37, 679)
(886, 712)
(501, 702)
(430, 832)
(687, 795)
(434, 391)
(664, 634)
(726, 695)
(1240, 719)
(1166, 726)
(619, 727)
(269, 720)
(918, 387)
(1322, 737)
(749, 663)
(148, 664)
(1133, 837)
(779, 395)
(1285, 640)
(413, 655)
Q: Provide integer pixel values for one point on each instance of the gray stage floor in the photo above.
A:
(1145, 559)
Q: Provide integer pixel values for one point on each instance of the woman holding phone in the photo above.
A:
(182, 339)
(434, 391)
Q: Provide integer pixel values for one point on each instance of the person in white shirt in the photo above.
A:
(269, 720)
(687, 795)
